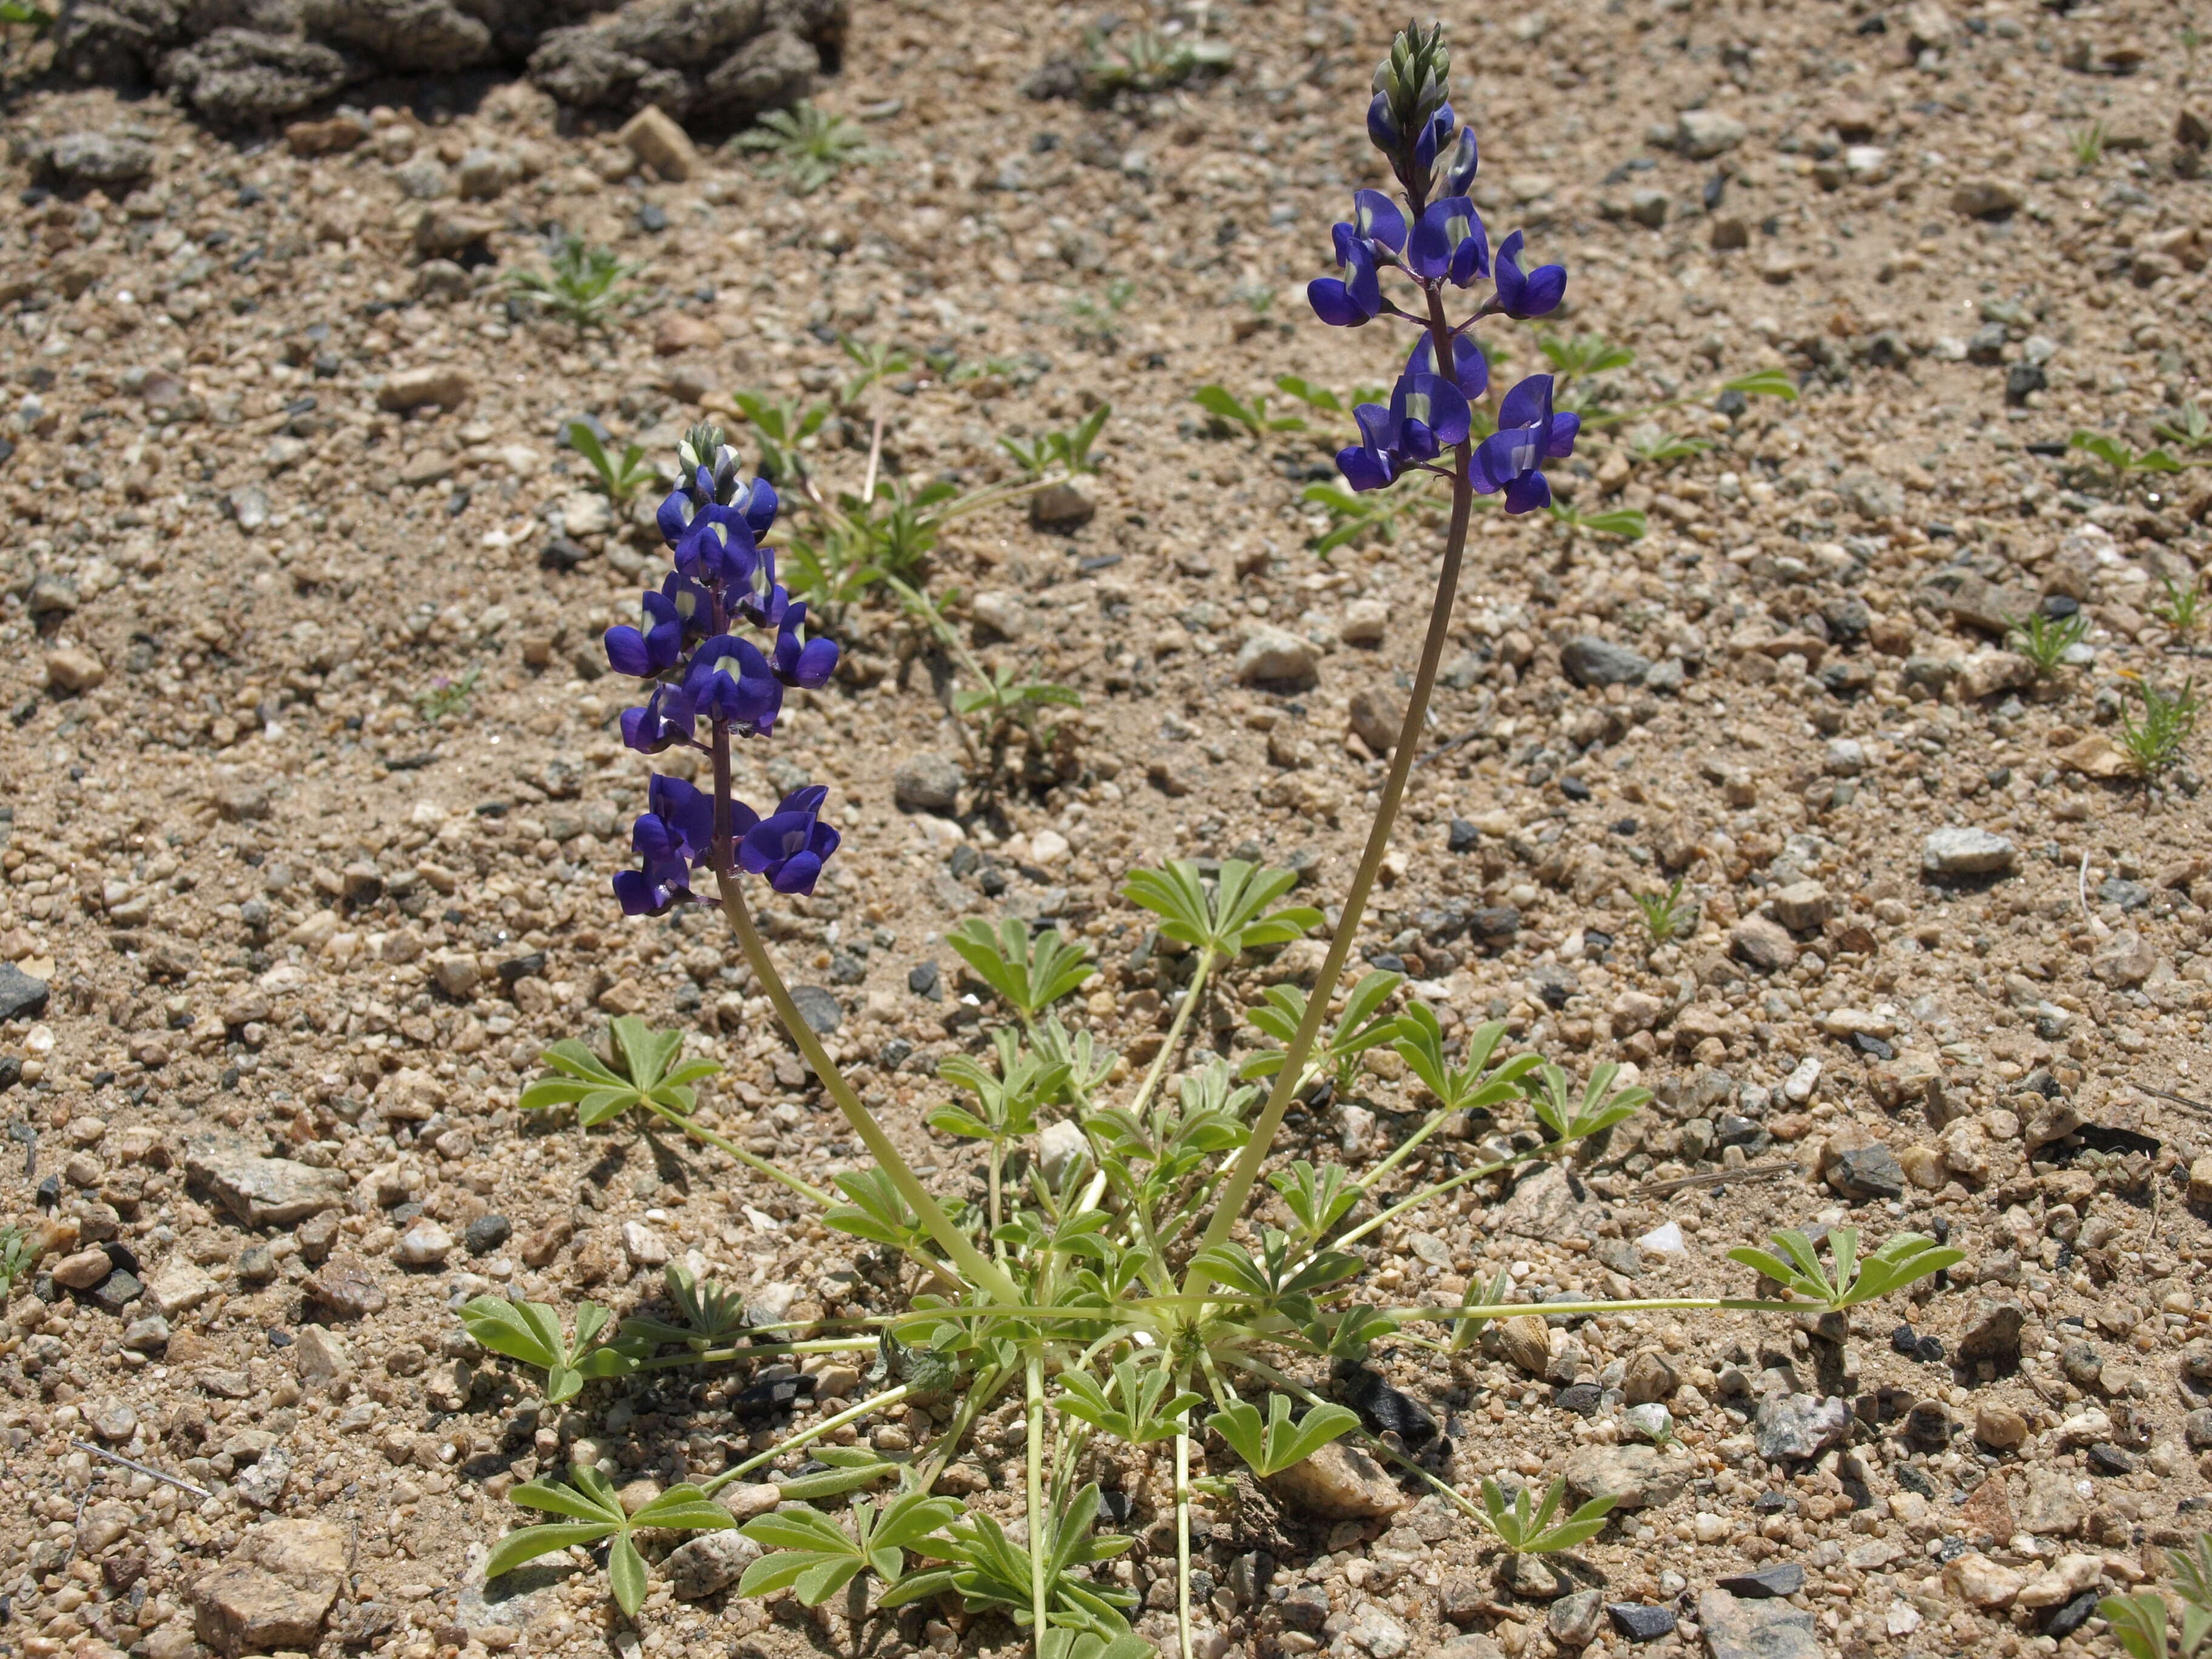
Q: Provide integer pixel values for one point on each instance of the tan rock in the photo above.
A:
(660, 143)
(1526, 1342)
(2094, 757)
(1987, 1512)
(1981, 1582)
(1377, 718)
(72, 668)
(274, 1590)
(83, 1270)
(1339, 1483)
(445, 385)
(679, 332)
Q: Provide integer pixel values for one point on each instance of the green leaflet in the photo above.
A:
(593, 1513)
(1534, 1534)
(1280, 1442)
(531, 1332)
(640, 1069)
(1795, 1264)
(814, 1558)
(1228, 916)
(1028, 975)
(1134, 1404)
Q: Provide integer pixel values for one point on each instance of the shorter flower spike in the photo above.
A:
(1529, 433)
(673, 834)
(792, 844)
(1537, 294)
(730, 682)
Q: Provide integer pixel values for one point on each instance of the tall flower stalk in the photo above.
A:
(1438, 246)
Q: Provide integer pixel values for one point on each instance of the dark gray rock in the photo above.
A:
(1869, 1172)
(1639, 1623)
(928, 783)
(416, 37)
(924, 981)
(242, 77)
(487, 1233)
(1779, 1578)
(22, 997)
(1589, 660)
(1462, 837)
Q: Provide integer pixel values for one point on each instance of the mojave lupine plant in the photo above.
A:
(1120, 1282)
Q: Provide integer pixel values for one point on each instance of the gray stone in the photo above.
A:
(424, 1244)
(266, 1192)
(1642, 1623)
(2053, 1506)
(1649, 206)
(1060, 1149)
(1377, 718)
(1640, 1477)
(1782, 1578)
(1549, 1205)
(1762, 943)
(1062, 506)
(1797, 1426)
(84, 160)
(414, 37)
(1529, 1576)
(243, 77)
(1272, 656)
(1702, 133)
(1977, 601)
(21, 996)
(1575, 1620)
(711, 1562)
(928, 783)
(822, 1012)
(1961, 852)
(1589, 660)
(1736, 1629)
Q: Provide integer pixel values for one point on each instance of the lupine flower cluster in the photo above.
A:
(1439, 242)
(705, 674)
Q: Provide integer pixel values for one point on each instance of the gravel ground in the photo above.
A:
(313, 790)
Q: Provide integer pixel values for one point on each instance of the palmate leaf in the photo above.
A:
(1134, 1404)
(595, 1512)
(814, 1558)
(2193, 1583)
(2138, 1623)
(1601, 1107)
(989, 1570)
(1318, 1199)
(878, 1212)
(1360, 1026)
(1228, 916)
(1526, 1534)
(1280, 1442)
(531, 1332)
(1586, 354)
(640, 1068)
(1461, 1087)
(1279, 1270)
(711, 1314)
(1029, 975)
(1795, 1264)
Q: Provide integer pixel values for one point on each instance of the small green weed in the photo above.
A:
(2154, 742)
(618, 481)
(1069, 450)
(2124, 462)
(17, 1255)
(445, 697)
(1664, 915)
(808, 147)
(1144, 60)
(2182, 608)
(580, 286)
(2044, 641)
(1228, 410)
(1097, 319)
(2087, 143)
(778, 429)
(18, 11)
(1629, 523)
(2190, 428)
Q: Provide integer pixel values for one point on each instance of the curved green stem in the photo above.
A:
(1229, 1205)
(1190, 996)
(758, 1351)
(1436, 1189)
(1183, 1540)
(752, 1161)
(850, 1414)
(1641, 1304)
(1035, 1387)
(981, 1270)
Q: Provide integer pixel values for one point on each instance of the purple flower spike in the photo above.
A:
(675, 516)
(807, 663)
(1529, 433)
(1448, 243)
(1427, 414)
(1537, 294)
(791, 846)
(1376, 218)
(730, 682)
